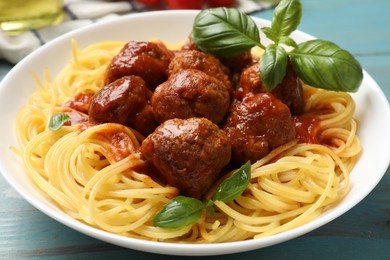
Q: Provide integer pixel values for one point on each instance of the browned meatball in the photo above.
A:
(149, 60)
(188, 154)
(257, 125)
(125, 101)
(249, 82)
(289, 91)
(190, 93)
(207, 63)
(239, 62)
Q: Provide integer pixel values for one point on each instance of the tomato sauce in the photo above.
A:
(80, 102)
(76, 117)
(307, 128)
(119, 145)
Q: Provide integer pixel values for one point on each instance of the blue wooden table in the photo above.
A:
(360, 26)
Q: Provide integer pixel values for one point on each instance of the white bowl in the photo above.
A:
(372, 114)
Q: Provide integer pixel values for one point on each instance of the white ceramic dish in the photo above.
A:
(372, 114)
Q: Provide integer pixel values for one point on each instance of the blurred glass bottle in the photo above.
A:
(20, 15)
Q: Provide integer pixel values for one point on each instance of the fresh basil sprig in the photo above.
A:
(322, 64)
(182, 210)
(57, 121)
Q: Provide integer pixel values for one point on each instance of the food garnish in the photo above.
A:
(57, 121)
(228, 32)
(183, 210)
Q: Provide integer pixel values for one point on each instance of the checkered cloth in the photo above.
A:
(79, 13)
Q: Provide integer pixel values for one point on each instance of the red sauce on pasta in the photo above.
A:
(119, 145)
(307, 128)
(80, 102)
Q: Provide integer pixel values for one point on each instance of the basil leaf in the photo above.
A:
(224, 32)
(286, 18)
(270, 34)
(235, 185)
(325, 65)
(179, 212)
(288, 41)
(273, 65)
(209, 206)
(58, 120)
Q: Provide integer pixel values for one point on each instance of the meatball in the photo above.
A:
(289, 91)
(190, 93)
(187, 154)
(239, 62)
(250, 82)
(257, 125)
(235, 64)
(125, 101)
(149, 60)
(207, 63)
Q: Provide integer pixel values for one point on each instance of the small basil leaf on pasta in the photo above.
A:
(273, 64)
(235, 185)
(58, 120)
(323, 64)
(224, 32)
(179, 212)
(209, 206)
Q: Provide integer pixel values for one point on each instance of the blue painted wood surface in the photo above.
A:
(360, 26)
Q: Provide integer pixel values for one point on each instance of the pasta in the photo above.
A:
(90, 172)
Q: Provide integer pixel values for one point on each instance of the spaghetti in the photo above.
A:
(88, 171)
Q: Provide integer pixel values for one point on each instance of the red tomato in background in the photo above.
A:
(218, 3)
(185, 4)
(149, 2)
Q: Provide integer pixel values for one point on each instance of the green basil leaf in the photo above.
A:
(224, 32)
(179, 212)
(235, 185)
(288, 41)
(273, 64)
(209, 205)
(286, 18)
(57, 121)
(270, 34)
(323, 64)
